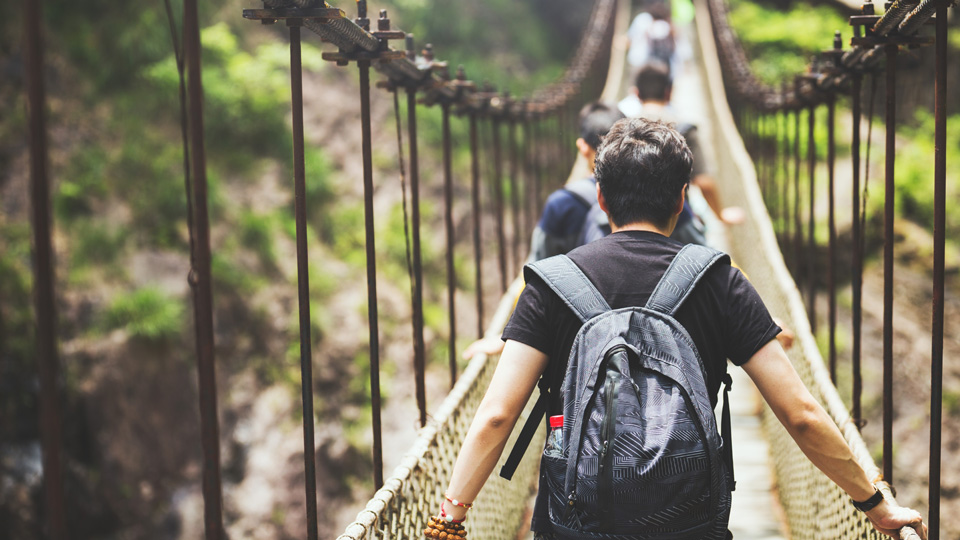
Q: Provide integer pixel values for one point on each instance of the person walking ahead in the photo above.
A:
(642, 168)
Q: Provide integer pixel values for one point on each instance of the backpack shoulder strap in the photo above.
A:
(684, 272)
(566, 279)
(584, 190)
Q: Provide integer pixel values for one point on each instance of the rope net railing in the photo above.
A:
(754, 143)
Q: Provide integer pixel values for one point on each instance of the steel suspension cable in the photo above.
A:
(477, 219)
(888, 217)
(303, 280)
(418, 368)
(451, 243)
(203, 297)
(44, 296)
(857, 259)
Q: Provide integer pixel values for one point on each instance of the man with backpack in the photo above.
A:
(570, 217)
(628, 338)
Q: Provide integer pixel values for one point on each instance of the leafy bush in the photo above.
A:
(915, 168)
(256, 233)
(777, 50)
(146, 313)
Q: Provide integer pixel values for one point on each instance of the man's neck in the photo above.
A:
(654, 105)
(641, 226)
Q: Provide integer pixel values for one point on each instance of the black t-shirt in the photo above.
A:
(724, 315)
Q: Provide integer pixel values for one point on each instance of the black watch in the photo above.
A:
(870, 503)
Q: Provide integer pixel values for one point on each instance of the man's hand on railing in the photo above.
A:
(889, 519)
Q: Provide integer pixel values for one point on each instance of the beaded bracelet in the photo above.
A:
(440, 528)
(458, 503)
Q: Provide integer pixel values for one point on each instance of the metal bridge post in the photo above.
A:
(811, 223)
(857, 272)
(538, 151)
(832, 240)
(939, 240)
(44, 298)
(888, 217)
(498, 198)
(514, 191)
(797, 220)
(303, 278)
(530, 211)
(372, 314)
(785, 182)
(477, 224)
(448, 221)
(419, 348)
(203, 294)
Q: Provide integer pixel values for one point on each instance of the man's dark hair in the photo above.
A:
(653, 81)
(595, 121)
(642, 167)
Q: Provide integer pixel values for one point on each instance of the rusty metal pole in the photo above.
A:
(785, 183)
(44, 298)
(498, 198)
(529, 210)
(477, 223)
(419, 348)
(939, 241)
(888, 217)
(857, 271)
(303, 278)
(448, 220)
(514, 193)
(203, 294)
(538, 154)
(832, 241)
(797, 220)
(811, 223)
(370, 239)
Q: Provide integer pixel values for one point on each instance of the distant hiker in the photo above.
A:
(641, 456)
(652, 38)
(571, 216)
(651, 95)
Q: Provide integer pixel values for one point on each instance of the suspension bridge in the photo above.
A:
(761, 169)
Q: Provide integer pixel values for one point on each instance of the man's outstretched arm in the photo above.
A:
(818, 436)
(516, 376)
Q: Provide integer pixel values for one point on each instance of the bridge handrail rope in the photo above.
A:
(829, 76)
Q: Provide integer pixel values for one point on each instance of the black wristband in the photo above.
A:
(870, 503)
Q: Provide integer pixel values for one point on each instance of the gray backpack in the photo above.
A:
(642, 456)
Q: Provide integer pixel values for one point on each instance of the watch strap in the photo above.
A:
(869, 504)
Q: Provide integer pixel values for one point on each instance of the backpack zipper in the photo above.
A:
(607, 433)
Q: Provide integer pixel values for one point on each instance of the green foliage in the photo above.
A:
(780, 42)
(16, 282)
(511, 44)
(18, 408)
(84, 183)
(246, 96)
(95, 244)
(231, 277)
(915, 169)
(146, 313)
(256, 233)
